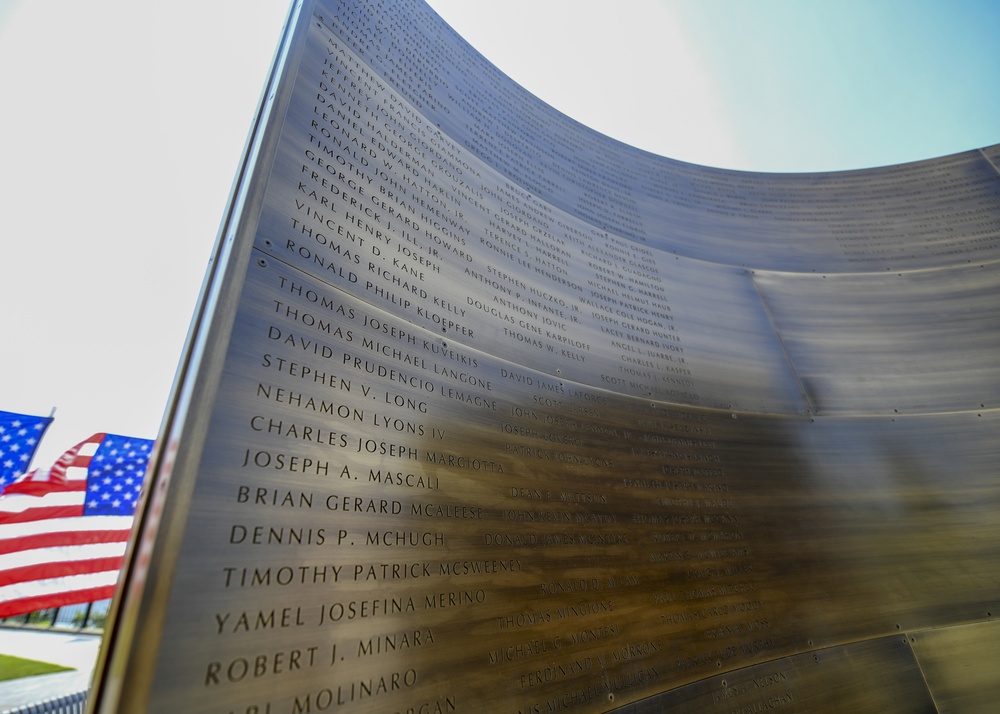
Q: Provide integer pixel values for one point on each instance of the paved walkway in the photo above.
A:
(70, 649)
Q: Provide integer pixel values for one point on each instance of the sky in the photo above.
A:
(123, 123)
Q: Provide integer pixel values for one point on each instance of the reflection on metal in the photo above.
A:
(878, 675)
(958, 664)
(489, 412)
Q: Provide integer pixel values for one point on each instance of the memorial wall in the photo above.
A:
(485, 411)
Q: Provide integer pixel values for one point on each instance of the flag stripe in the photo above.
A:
(54, 540)
(60, 569)
(33, 514)
(38, 588)
(40, 488)
(16, 503)
(55, 598)
(69, 525)
(91, 551)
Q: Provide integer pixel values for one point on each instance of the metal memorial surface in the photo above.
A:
(484, 411)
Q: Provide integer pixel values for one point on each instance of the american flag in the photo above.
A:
(63, 531)
(19, 437)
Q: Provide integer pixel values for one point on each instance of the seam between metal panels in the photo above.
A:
(990, 161)
(784, 349)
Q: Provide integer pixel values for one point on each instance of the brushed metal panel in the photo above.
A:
(487, 411)
(874, 525)
(559, 498)
(874, 676)
(919, 215)
(992, 154)
(959, 665)
(601, 545)
(486, 264)
(911, 342)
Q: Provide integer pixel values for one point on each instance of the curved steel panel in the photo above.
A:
(891, 343)
(491, 412)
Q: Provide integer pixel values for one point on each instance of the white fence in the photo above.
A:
(68, 704)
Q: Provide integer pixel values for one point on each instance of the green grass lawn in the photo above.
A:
(15, 667)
